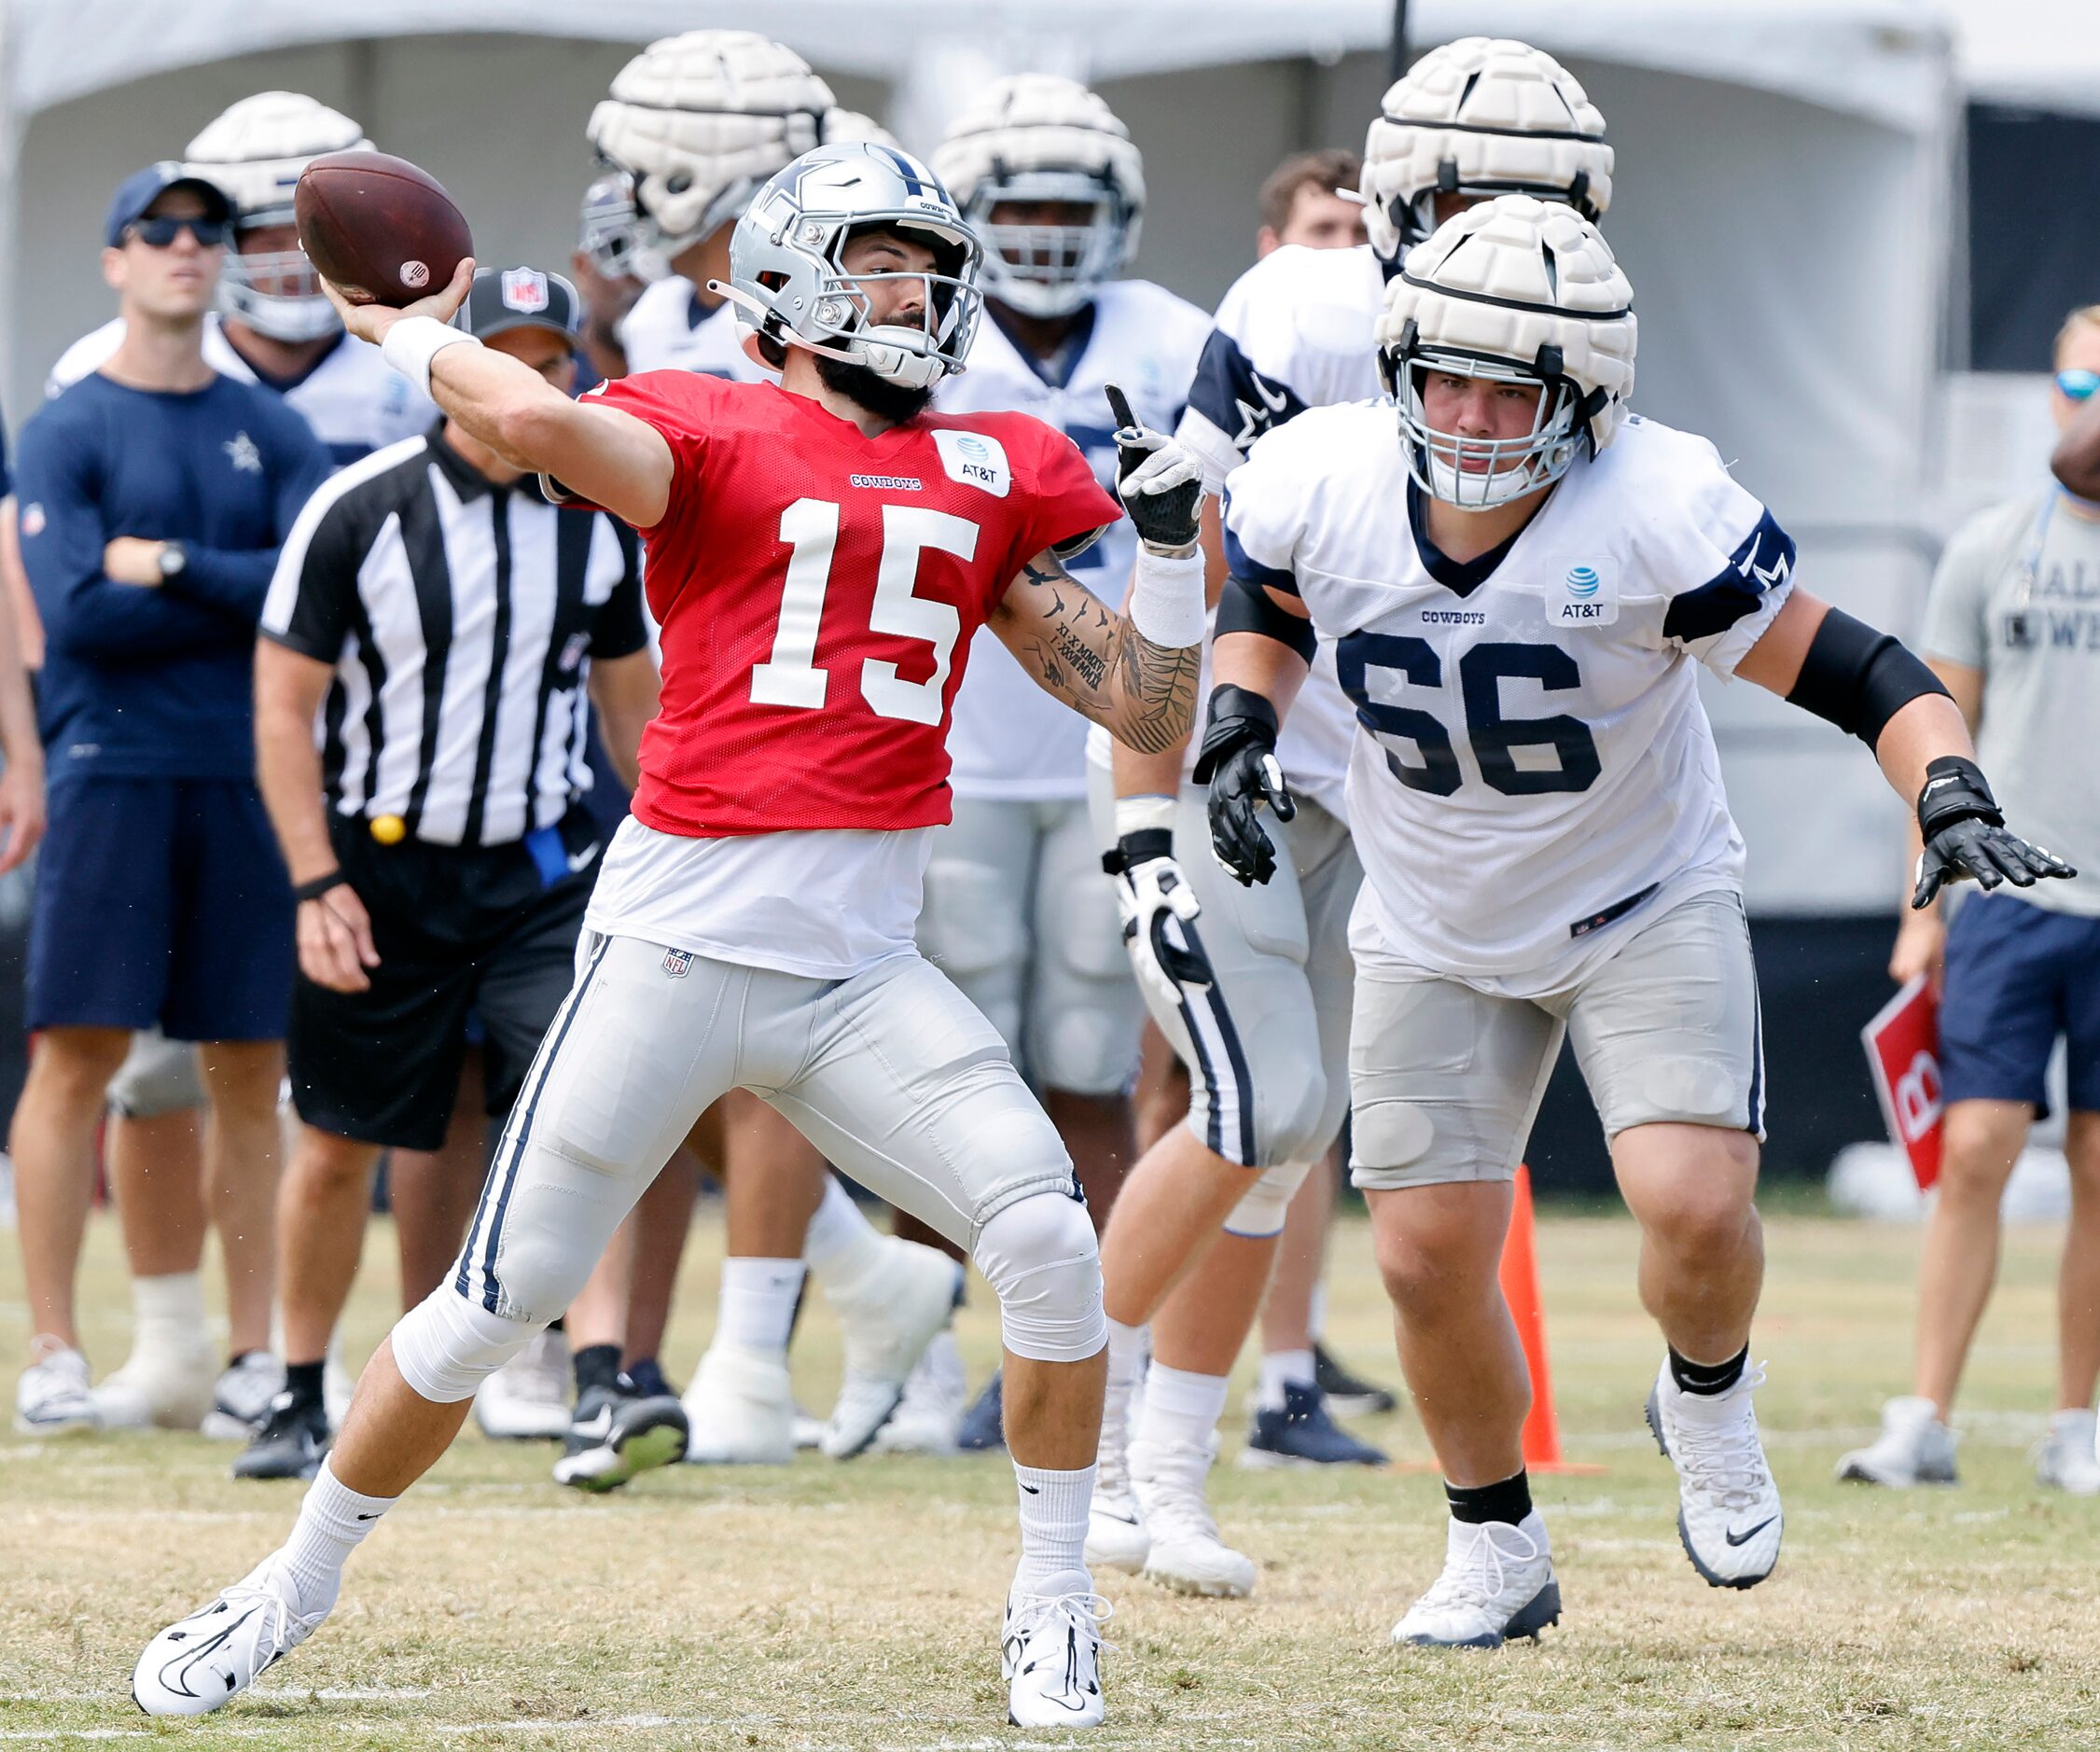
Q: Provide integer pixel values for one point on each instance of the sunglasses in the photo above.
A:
(2077, 385)
(157, 233)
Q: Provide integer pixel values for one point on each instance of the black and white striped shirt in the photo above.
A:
(461, 619)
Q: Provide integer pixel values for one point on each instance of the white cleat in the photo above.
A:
(1116, 1535)
(1049, 1656)
(53, 1397)
(1183, 1550)
(159, 1389)
(930, 1413)
(891, 1315)
(241, 1396)
(741, 1409)
(1728, 1506)
(527, 1400)
(1497, 1585)
(2065, 1460)
(211, 1657)
(1913, 1448)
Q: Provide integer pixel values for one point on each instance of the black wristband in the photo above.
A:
(1141, 847)
(1955, 790)
(303, 892)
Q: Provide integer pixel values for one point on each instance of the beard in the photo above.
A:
(883, 398)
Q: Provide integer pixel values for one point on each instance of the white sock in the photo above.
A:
(168, 1313)
(1317, 1311)
(1053, 1530)
(1129, 1348)
(841, 1245)
(758, 1308)
(1279, 1367)
(1181, 1408)
(332, 1522)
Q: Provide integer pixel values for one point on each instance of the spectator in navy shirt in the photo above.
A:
(153, 498)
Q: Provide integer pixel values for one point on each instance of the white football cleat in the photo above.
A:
(1913, 1448)
(1183, 1550)
(740, 1409)
(1728, 1506)
(527, 1400)
(930, 1413)
(1050, 1655)
(1116, 1535)
(53, 1397)
(891, 1315)
(2065, 1460)
(241, 1396)
(1497, 1584)
(211, 1657)
(159, 1387)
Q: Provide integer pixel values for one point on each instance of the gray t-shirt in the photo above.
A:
(2017, 595)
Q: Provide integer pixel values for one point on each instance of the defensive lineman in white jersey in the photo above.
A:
(1260, 1014)
(1518, 591)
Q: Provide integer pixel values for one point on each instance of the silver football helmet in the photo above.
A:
(1036, 137)
(606, 233)
(255, 152)
(789, 284)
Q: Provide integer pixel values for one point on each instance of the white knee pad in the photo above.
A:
(1261, 1211)
(446, 1346)
(1041, 1260)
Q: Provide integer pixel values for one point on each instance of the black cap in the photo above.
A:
(141, 188)
(504, 299)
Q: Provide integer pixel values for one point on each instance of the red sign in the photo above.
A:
(1903, 1054)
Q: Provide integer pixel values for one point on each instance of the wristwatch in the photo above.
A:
(173, 558)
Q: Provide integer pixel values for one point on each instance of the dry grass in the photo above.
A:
(855, 1606)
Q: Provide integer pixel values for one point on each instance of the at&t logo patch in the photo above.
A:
(975, 459)
(1586, 599)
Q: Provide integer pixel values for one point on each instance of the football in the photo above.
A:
(383, 231)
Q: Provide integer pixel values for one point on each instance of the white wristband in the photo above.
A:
(413, 341)
(1133, 814)
(1166, 598)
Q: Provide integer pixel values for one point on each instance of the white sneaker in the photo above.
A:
(1913, 1448)
(53, 1397)
(212, 1656)
(1728, 1508)
(741, 1409)
(1184, 1552)
(1497, 1584)
(527, 1400)
(1116, 1535)
(158, 1388)
(1050, 1655)
(892, 1313)
(2065, 1460)
(931, 1411)
(243, 1396)
(809, 1430)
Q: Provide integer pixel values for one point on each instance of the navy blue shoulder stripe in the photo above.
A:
(1235, 397)
(1764, 558)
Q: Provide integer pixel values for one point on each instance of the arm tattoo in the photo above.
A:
(1096, 661)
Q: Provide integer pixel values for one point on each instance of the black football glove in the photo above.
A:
(1238, 761)
(1965, 835)
(1159, 483)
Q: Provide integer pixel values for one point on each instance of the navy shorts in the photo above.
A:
(161, 901)
(2018, 976)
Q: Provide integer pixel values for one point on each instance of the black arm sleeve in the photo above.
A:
(1859, 678)
(1247, 608)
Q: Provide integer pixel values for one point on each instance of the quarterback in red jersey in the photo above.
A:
(820, 553)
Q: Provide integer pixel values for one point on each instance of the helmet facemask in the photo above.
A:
(1416, 220)
(1051, 270)
(607, 232)
(1479, 473)
(275, 292)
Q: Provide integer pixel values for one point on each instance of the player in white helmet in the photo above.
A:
(1520, 592)
(1263, 1023)
(1018, 915)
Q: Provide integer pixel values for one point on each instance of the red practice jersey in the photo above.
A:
(818, 589)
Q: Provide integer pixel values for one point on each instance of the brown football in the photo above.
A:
(383, 231)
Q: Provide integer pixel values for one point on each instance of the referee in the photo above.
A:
(432, 625)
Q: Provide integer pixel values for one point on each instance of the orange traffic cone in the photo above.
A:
(1520, 1289)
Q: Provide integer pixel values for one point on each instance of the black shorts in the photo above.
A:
(460, 931)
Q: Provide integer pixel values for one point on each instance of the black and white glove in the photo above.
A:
(1159, 483)
(1965, 835)
(1159, 909)
(1238, 761)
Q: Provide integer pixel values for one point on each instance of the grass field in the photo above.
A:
(856, 1606)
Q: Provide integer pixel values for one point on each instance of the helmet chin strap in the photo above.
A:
(904, 366)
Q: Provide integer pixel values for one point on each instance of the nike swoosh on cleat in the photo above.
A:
(1744, 1538)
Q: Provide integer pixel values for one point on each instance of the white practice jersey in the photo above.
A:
(672, 327)
(1294, 332)
(1009, 739)
(1532, 762)
(354, 401)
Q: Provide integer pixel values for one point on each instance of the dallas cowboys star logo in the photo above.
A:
(241, 451)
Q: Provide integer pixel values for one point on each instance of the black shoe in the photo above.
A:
(646, 1378)
(1302, 1434)
(614, 1435)
(1347, 1394)
(291, 1443)
(983, 1425)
